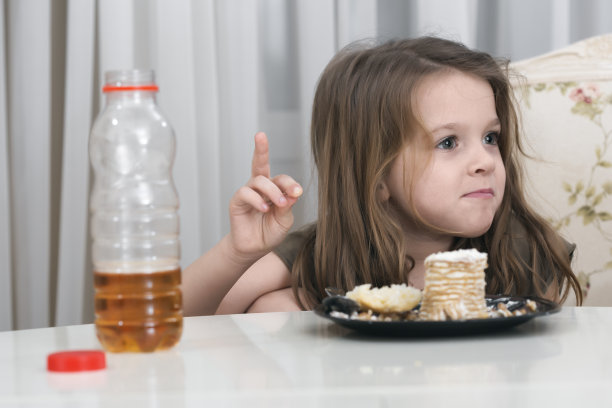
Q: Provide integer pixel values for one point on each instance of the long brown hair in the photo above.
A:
(363, 115)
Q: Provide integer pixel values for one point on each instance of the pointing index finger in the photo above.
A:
(260, 166)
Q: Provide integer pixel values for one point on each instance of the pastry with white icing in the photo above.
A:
(454, 286)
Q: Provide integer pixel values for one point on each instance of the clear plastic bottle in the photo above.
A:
(134, 219)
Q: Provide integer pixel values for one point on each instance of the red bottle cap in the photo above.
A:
(77, 360)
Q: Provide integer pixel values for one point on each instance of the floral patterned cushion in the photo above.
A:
(566, 103)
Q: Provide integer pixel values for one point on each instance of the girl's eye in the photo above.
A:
(447, 143)
(491, 138)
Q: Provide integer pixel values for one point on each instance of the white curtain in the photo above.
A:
(226, 69)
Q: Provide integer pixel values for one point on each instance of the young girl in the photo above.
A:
(417, 147)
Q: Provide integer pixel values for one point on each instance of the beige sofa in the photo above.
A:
(566, 104)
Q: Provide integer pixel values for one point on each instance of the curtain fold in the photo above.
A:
(28, 65)
(226, 69)
(209, 207)
(6, 263)
(78, 103)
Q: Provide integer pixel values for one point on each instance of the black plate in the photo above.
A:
(417, 328)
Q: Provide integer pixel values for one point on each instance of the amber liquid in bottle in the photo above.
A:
(138, 312)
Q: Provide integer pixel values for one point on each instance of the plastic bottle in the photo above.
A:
(134, 219)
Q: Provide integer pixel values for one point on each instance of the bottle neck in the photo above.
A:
(129, 86)
(130, 96)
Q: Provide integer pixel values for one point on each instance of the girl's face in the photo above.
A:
(462, 185)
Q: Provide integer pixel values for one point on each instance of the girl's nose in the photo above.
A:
(482, 160)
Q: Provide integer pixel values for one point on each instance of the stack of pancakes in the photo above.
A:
(454, 286)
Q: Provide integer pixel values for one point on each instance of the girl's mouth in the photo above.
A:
(482, 193)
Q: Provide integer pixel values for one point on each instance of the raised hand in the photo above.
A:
(260, 211)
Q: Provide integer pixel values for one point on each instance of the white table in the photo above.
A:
(299, 359)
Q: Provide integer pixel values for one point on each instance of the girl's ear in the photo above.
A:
(382, 192)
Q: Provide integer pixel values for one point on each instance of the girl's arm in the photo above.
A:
(260, 217)
(259, 282)
(279, 300)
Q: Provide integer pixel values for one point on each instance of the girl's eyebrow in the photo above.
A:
(453, 126)
(494, 122)
(445, 126)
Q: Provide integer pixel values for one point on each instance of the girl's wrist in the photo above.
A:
(239, 259)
